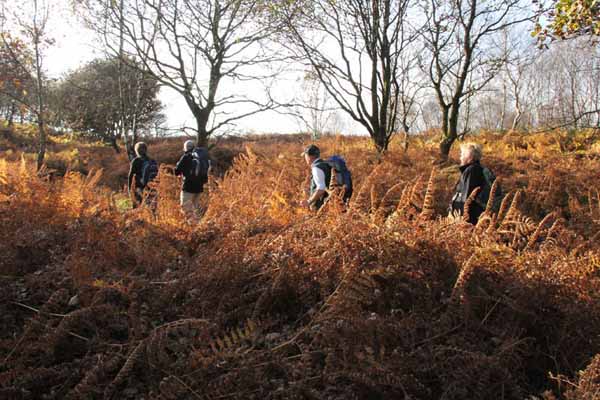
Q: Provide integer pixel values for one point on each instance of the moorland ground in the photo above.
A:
(389, 298)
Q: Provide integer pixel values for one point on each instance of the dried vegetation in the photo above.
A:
(387, 299)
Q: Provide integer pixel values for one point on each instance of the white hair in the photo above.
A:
(141, 149)
(474, 149)
(189, 145)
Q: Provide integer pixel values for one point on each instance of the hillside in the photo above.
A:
(265, 300)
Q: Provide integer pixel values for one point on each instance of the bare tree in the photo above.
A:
(411, 93)
(193, 47)
(559, 87)
(515, 74)
(506, 98)
(354, 47)
(314, 112)
(456, 40)
(33, 23)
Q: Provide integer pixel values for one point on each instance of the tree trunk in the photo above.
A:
(40, 113)
(518, 114)
(447, 139)
(134, 130)
(128, 145)
(114, 144)
(504, 104)
(406, 129)
(202, 122)
(42, 142)
(381, 139)
(11, 114)
(451, 133)
(40, 90)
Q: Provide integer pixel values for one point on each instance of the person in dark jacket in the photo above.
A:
(135, 185)
(471, 178)
(193, 183)
(319, 178)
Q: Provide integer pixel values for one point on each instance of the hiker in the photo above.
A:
(472, 177)
(194, 166)
(141, 172)
(320, 177)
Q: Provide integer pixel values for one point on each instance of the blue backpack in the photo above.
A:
(484, 194)
(343, 176)
(200, 164)
(149, 171)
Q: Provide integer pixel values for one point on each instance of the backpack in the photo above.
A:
(200, 164)
(484, 194)
(343, 176)
(149, 171)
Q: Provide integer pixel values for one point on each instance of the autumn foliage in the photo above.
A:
(388, 298)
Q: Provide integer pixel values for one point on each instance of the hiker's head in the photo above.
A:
(311, 153)
(469, 152)
(141, 149)
(189, 145)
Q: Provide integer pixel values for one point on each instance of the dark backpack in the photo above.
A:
(484, 194)
(200, 164)
(149, 171)
(343, 176)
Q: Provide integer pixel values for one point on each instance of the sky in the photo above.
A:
(75, 45)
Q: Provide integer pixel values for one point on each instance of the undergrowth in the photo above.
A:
(388, 298)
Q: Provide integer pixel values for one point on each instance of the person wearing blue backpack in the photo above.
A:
(141, 172)
(194, 166)
(320, 179)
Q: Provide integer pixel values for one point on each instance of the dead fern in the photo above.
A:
(469, 203)
(429, 200)
(168, 345)
(235, 341)
(458, 291)
(133, 361)
(490, 203)
(94, 377)
(538, 231)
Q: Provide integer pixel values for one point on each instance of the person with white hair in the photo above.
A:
(472, 177)
(194, 166)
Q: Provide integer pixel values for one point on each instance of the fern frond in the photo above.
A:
(469, 203)
(134, 359)
(512, 210)
(538, 231)
(95, 376)
(490, 202)
(429, 200)
(373, 197)
(232, 342)
(389, 192)
(168, 340)
(506, 202)
(459, 286)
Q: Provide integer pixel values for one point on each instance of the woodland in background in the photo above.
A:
(265, 300)
(380, 67)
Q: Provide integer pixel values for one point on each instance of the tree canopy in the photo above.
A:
(88, 100)
(571, 18)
